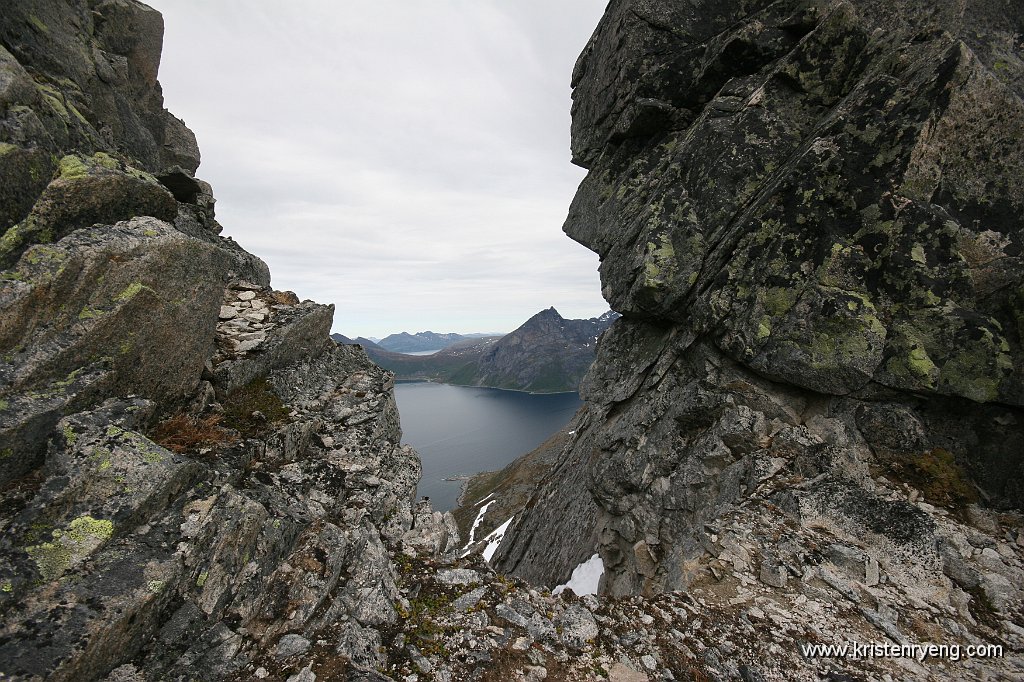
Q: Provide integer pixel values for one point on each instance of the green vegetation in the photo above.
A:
(939, 477)
(254, 408)
(131, 291)
(38, 24)
(88, 313)
(72, 166)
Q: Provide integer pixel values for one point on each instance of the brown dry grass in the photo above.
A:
(185, 433)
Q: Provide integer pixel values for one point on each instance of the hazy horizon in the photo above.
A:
(407, 163)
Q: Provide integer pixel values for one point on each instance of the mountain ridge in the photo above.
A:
(546, 354)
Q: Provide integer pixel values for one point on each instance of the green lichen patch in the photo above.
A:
(40, 254)
(69, 546)
(976, 370)
(70, 437)
(106, 160)
(131, 291)
(90, 313)
(777, 301)
(71, 167)
(13, 238)
(37, 23)
(102, 457)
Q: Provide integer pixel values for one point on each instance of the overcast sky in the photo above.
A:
(407, 161)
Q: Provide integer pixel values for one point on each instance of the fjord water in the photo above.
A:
(462, 430)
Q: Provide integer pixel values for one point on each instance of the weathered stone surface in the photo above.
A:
(138, 298)
(96, 81)
(743, 207)
(809, 216)
(86, 191)
(577, 626)
(250, 349)
(26, 172)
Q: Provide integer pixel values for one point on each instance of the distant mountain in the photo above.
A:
(547, 354)
(419, 342)
(360, 340)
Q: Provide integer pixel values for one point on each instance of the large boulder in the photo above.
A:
(832, 194)
(138, 298)
(87, 191)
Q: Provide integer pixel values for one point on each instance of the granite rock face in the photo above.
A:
(809, 215)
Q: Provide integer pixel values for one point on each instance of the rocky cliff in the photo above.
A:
(809, 215)
(195, 481)
(805, 429)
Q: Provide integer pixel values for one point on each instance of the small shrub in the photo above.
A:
(184, 433)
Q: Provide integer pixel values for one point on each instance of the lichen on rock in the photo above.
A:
(806, 214)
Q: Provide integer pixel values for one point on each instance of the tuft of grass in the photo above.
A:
(184, 433)
(254, 408)
(940, 479)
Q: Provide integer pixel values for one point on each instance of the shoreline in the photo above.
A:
(493, 388)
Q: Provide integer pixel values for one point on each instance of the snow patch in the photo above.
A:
(476, 522)
(494, 539)
(585, 577)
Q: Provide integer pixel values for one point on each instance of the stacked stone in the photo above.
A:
(245, 317)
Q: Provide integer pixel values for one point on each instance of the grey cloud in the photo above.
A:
(406, 161)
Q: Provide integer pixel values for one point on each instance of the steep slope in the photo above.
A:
(546, 354)
(809, 216)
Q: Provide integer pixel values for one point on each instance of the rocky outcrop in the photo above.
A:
(194, 479)
(808, 216)
(83, 76)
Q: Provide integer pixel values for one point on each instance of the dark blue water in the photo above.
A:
(460, 431)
